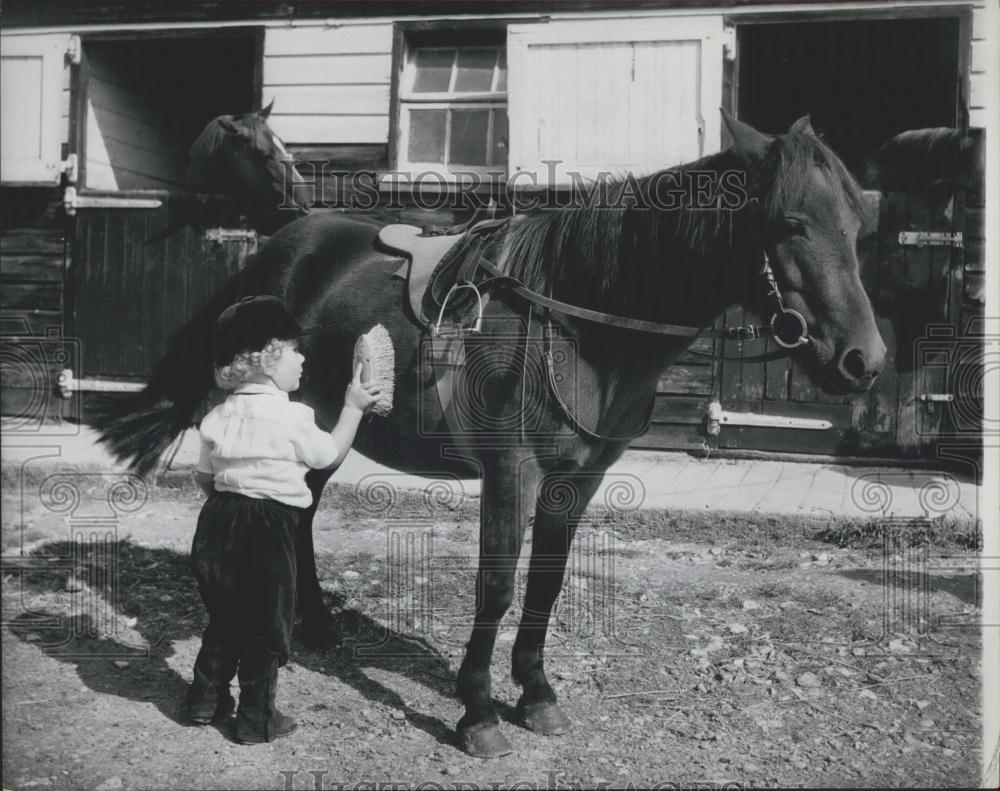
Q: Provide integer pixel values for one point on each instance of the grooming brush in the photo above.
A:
(376, 355)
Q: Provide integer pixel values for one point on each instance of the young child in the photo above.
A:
(255, 450)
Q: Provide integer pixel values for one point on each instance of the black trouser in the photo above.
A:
(244, 560)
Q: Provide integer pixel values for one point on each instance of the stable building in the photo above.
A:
(101, 103)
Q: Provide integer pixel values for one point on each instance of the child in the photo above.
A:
(256, 448)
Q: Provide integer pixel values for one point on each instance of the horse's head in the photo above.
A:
(242, 154)
(810, 215)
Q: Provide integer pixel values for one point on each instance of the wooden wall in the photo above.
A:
(129, 145)
(330, 83)
(32, 260)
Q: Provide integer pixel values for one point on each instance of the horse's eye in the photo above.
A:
(793, 225)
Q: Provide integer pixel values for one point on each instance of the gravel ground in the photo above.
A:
(686, 649)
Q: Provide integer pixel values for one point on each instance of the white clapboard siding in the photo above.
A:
(329, 40)
(325, 129)
(327, 70)
(328, 99)
(330, 83)
(609, 95)
(31, 107)
(982, 49)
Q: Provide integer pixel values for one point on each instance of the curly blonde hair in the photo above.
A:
(248, 364)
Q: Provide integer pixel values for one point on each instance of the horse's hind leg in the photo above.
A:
(317, 625)
(561, 503)
(505, 505)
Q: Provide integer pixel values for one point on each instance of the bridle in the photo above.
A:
(787, 327)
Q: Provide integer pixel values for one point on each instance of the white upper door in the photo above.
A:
(32, 72)
(617, 96)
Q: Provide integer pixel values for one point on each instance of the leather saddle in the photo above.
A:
(437, 269)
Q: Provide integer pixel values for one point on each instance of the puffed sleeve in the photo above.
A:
(313, 446)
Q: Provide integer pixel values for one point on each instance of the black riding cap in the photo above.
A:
(249, 324)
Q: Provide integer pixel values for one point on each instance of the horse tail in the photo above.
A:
(138, 428)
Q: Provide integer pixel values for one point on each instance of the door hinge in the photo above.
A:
(67, 384)
(717, 417)
(729, 43)
(74, 52)
(930, 400)
(220, 235)
(69, 167)
(73, 201)
(930, 239)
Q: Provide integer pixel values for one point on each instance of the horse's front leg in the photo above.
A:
(561, 503)
(317, 625)
(506, 502)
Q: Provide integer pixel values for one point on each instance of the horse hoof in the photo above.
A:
(484, 741)
(544, 718)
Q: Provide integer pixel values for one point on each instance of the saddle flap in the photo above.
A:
(434, 263)
(423, 251)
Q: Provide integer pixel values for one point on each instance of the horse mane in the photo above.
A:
(613, 254)
(921, 158)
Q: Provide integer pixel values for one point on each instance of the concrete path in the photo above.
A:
(641, 479)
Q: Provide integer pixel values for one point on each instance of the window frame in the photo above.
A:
(455, 35)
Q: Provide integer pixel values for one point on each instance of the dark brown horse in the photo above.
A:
(542, 424)
(242, 157)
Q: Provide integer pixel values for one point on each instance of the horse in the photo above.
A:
(546, 424)
(931, 165)
(241, 155)
(939, 159)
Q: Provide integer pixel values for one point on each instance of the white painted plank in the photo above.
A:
(329, 99)
(31, 128)
(980, 23)
(981, 55)
(327, 70)
(335, 40)
(979, 90)
(978, 117)
(606, 97)
(21, 124)
(304, 129)
(100, 175)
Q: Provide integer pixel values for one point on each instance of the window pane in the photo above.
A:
(502, 76)
(475, 70)
(426, 136)
(501, 142)
(468, 136)
(433, 67)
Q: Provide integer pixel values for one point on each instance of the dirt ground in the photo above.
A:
(686, 649)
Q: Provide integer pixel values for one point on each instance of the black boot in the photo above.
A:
(257, 719)
(208, 699)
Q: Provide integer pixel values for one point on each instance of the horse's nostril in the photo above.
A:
(853, 364)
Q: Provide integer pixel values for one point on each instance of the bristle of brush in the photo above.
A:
(382, 366)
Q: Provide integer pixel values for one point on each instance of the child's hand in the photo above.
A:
(359, 396)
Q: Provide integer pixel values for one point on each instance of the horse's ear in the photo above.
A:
(267, 110)
(746, 141)
(803, 126)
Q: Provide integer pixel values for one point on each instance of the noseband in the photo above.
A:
(788, 327)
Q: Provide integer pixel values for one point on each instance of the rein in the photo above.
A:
(787, 327)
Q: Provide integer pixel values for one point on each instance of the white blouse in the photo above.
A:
(261, 444)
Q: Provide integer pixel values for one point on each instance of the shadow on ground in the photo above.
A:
(155, 587)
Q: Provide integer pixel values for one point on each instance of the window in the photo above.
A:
(453, 110)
